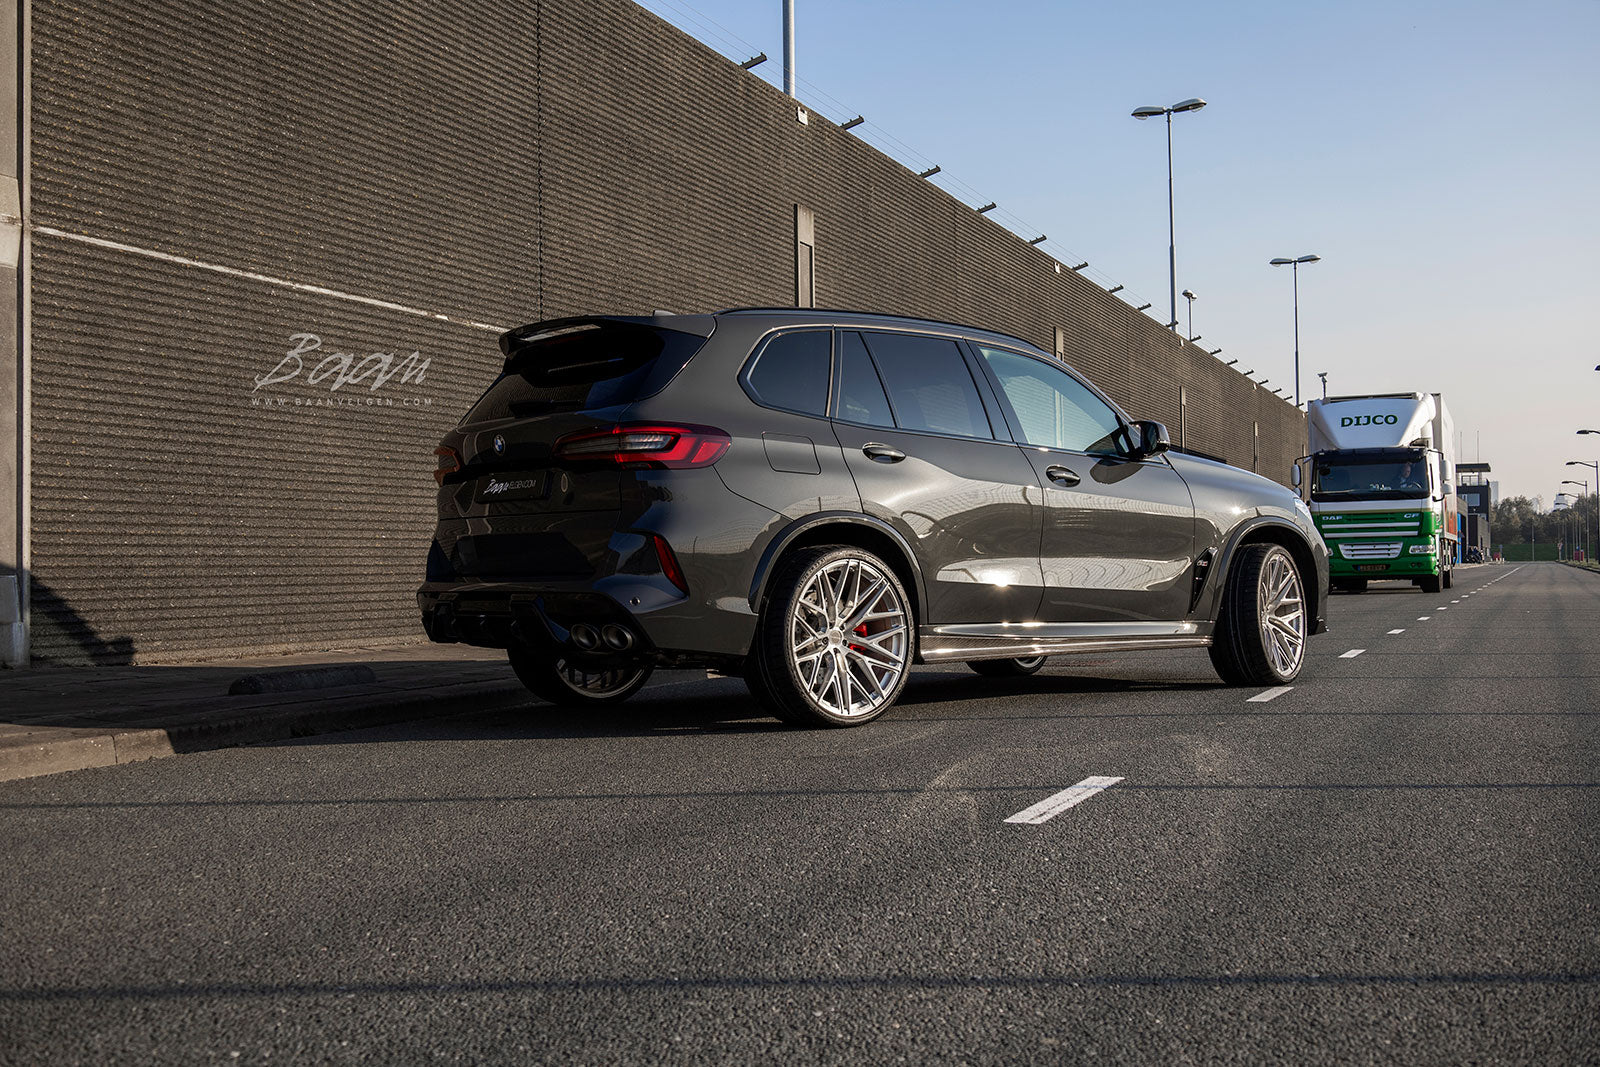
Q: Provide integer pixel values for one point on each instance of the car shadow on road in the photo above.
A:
(726, 706)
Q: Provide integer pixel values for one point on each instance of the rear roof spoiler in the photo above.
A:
(513, 340)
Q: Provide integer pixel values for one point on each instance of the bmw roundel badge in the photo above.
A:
(499, 445)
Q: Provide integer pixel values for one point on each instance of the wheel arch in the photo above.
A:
(843, 528)
(1289, 537)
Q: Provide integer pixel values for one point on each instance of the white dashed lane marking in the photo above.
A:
(1424, 618)
(1270, 694)
(1056, 803)
(1399, 631)
(1353, 653)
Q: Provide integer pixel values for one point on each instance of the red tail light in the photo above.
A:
(669, 563)
(449, 463)
(645, 445)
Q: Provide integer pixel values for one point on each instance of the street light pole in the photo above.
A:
(1142, 113)
(1188, 294)
(1294, 266)
(1583, 513)
(1595, 466)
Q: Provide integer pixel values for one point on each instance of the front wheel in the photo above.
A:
(1007, 668)
(552, 677)
(1260, 638)
(835, 640)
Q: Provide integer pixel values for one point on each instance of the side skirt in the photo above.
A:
(942, 644)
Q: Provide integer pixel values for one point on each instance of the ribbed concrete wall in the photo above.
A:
(466, 166)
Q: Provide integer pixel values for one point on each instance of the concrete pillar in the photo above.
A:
(13, 334)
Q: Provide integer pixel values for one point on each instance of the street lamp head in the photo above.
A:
(1590, 431)
(1281, 262)
(1194, 103)
(1148, 112)
(1309, 259)
(1188, 295)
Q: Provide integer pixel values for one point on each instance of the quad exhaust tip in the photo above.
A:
(587, 638)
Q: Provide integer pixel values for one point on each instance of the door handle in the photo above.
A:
(881, 453)
(1062, 476)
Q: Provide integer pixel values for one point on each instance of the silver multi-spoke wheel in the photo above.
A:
(849, 638)
(597, 684)
(1262, 619)
(1281, 605)
(561, 681)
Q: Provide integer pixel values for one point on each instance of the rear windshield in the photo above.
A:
(593, 366)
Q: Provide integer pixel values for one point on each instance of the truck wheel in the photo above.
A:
(1008, 668)
(1351, 585)
(551, 677)
(1260, 637)
(835, 638)
(1431, 583)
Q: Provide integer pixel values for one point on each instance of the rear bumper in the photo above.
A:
(664, 626)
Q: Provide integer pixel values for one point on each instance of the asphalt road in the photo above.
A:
(1396, 861)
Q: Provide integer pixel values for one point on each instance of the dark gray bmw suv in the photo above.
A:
(818, 500)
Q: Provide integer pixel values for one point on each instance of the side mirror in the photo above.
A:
(1150, 438)
(1294, 476)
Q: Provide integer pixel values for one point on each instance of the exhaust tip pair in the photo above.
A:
(587, 638)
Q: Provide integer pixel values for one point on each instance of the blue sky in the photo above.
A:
(1441, 158)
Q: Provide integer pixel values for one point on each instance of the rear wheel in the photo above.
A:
(834, 643)
(552, 677)
(1008, 668)
(1260, 637)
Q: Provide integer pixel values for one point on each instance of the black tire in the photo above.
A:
(1447, 578)
(1351, 585)
(755, 681)
(1008, 668)
(1431, 583)
(807, 667)
(1264, 584)
(549, 677)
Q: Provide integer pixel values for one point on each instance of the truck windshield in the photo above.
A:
(1388, 478)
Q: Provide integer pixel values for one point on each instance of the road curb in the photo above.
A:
(84, 749)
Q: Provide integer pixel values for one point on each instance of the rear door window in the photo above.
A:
(928, 384)
(589, 366)
(792, 371)
(861, 395)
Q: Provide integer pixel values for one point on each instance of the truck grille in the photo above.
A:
(1370, 550)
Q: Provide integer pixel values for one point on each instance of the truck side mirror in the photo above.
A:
(1294, 476)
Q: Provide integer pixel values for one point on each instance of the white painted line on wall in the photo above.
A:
(1399, 631)
(168, 257)
(1056, 803)
(1353, 653)
(1269, 694)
